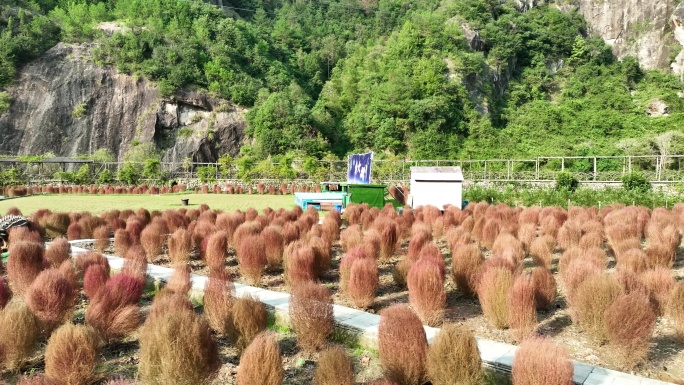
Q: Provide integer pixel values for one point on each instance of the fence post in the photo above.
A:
(594, 168)
(629, 164)
(536, 168)
(563, 164)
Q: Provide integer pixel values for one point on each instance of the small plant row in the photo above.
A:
(259, 188)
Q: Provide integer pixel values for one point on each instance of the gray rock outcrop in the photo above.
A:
(66, 104)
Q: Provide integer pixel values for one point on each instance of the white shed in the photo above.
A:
(436, 186)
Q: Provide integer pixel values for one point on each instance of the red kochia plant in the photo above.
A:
(389, 236)
(58, 251)
(465, 261)
(94, 279)
(51, 298)
(426, 291)
(629, 323)
(539, 361)
(347, 261)
(176, 347)
(659, 282)
(493, 289)
(252, 258)
(19, 334)
(83, 261)
(402, 345)
(74, 231)
(676, 307)
(334, 368)
(299, 263)
(311, 315)
(5, 293)
(522, 313)
(122, 242)
(261, 362)
(453, 358)
(274, 243)
(71, 355)
(217, 249)
(418, 240)
(24, 264)
(544, 287)
(179, 282)
(152, 241)
(249, 319)
(363, 282)
(114, 312)
(593, 297)
(219, 296)
(101, 235)
(179, 246)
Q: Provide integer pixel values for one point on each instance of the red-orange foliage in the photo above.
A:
(334, 367)
(122, 242)
(660, 255)
(541, 252)
(179, 282)
(402, 345)
(431, 253)
(179, 246)
(71, 355)
(418, 240)
(522, 314)
(629, 323)
(101, 235)
(24, 264)
(633, 260)
(659, 282)
(74, 231)
(590, 240)
(576, 272)
(493, 288)
(526, 234)
(389, 236)
(252, 260)
(244, 231)
(346, 262)
(134, 228)
(568, 235)
(261, 362)
(274, 244)
(593, 296)
(51, 297)
(114, 312)
(362, 282)
(457, 236)
(490, 230)
(217, 250)
(465, 262)
(426, 291)
(5, 293)
(299, 263)
(311, 315)
(94, 279)
(152, 240)
(544, 287)
(539, 361)
(219, 297)
(177, 347)
(676, 307)
(58, 251)
(507, 246)
(83, 261)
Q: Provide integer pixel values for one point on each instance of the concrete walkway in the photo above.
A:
(364, 327)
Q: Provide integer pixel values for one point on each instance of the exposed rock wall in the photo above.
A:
(65, 104)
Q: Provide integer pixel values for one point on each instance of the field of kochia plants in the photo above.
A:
(613, 270)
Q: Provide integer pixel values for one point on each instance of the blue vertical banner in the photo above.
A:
(359, 168)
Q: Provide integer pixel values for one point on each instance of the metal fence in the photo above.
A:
(594, 169)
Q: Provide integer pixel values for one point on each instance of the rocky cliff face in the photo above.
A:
(65, 104)
(640, 28)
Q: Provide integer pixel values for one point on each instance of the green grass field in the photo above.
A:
(99, 203)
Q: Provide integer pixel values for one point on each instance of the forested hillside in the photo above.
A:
(406, 78)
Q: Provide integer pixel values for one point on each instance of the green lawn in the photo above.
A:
(99, 203)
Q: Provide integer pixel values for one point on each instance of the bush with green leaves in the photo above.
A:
(565, 181)
(635, 181)
(105, 177)
(5, 102)
(206, 174)
(11, 176)
(128, 174)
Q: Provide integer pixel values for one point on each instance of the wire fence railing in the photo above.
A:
(591, 169)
